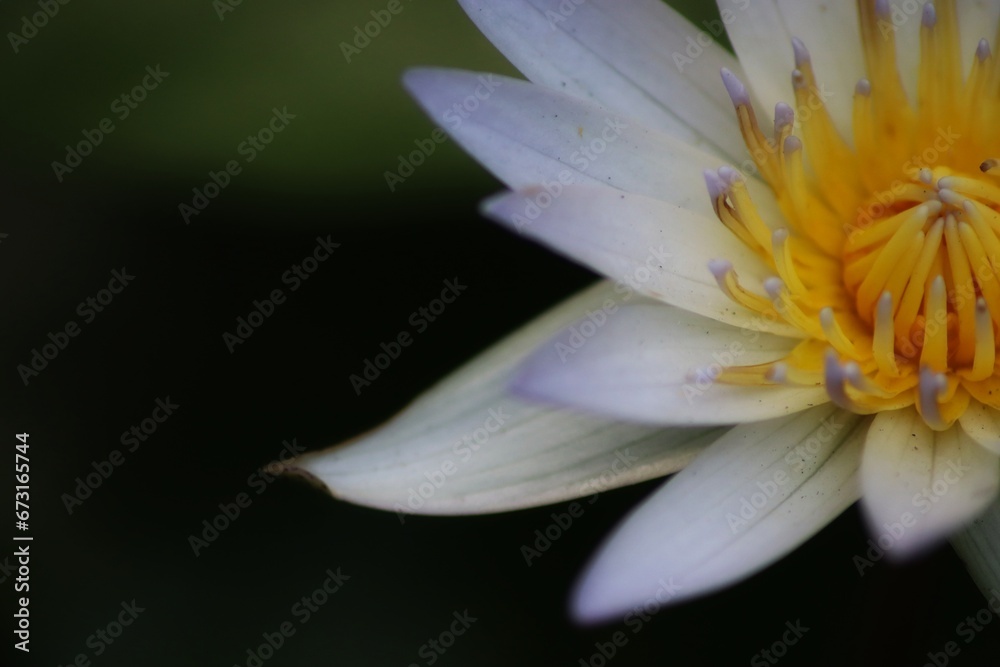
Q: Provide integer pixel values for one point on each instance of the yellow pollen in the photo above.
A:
(888, 256)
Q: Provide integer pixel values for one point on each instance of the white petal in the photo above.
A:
(746, 501)
(467, 446)
(978, 544)
(655, 248)
(982, 424)
(527, 135)
(764, 45)
(631, 56)
(920, 485)
(637, 363)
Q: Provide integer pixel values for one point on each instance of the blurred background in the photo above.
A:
(116, 116)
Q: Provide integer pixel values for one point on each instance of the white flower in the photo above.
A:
(833, 290)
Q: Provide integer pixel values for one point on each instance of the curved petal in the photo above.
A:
(978, 544)
(982, 424)
(466, 446)
(920, 485)
(640, 57)
(746, 501)
(527, 134)
(655, 364)
(647, 245)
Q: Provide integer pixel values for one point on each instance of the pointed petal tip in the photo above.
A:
(415, 77)
(510, 209)
(597, 597)
(587, 606)
(300, 469)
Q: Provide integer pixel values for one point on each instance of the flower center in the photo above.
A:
(890, 260)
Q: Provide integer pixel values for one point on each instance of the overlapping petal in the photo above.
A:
(978, 545)
(920, 485)
(982, 424)
(649, 246)
(468, 446)
(747, 500)
(641, 57)
(656, 364)
(531, 135)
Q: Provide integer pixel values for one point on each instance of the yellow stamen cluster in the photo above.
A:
(890, 262)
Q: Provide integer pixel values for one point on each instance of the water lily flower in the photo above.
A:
(800, 312)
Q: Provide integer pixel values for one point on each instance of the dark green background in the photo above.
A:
(162, 336)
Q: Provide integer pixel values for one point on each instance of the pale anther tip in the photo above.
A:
(983, 50)
(778, 373)
(863, 88)
(774, 286)
(800, 51)
(720, 268)
(737, 91)
(716, 186)
(929, 17)
(882, 9)
(792, 144)
(730, 175)
(784, 115)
